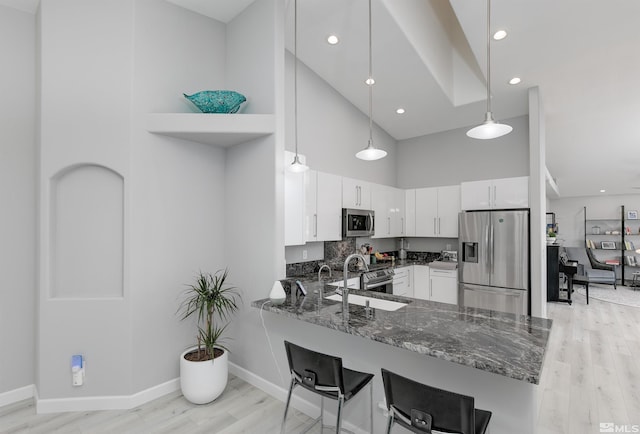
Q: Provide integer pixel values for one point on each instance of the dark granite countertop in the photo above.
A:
(501, 343)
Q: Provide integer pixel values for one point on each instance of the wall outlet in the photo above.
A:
(77, 370)
(305, 254)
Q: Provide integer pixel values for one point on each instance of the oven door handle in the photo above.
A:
(377, 285)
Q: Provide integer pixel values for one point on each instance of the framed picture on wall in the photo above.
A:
(632, 215)
(608, 245)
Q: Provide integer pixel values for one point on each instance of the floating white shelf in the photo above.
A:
(222, 130)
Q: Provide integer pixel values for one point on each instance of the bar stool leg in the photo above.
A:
(389, 422)
(371, 405)
(286, 407)
(339, 416)
(321, 413)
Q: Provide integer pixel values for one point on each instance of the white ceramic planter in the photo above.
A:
(202, 382)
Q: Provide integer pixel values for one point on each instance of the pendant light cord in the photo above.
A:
(295, 73)
(488, 56)
(370, 82)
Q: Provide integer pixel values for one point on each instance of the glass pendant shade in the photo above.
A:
(489, 129)
(297, 166)
(370, 153)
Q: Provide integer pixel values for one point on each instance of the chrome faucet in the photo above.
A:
(322, 268)
(345, 288)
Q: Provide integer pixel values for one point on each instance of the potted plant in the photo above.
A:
(551, 236)
(204, 368)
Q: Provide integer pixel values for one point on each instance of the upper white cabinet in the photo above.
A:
(388, 205)
(409, 213)
(436, 211)
(502, 193)
(356, 194)
(323, 206)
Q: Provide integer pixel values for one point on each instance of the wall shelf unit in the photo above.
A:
(222, 130)
(626, 242)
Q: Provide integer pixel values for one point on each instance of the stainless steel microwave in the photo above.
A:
(358, 223)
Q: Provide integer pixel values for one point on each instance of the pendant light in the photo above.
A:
(371, 153)
(296, 166)
(489, 129)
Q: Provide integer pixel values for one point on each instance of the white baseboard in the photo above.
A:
(94, 403)
(17, 395)
(280, 393)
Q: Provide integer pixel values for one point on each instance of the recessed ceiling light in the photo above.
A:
(400, 111)
(333, 39)
(500, 34)
(602, 191)
(370, 81)
(515, 80)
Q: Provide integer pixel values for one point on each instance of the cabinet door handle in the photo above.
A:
(494, 196)
(489, 196)
(435, 231)
(315, 217)
(356, 203)
(439, 229)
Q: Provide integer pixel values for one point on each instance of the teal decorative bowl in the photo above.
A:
(217, 101)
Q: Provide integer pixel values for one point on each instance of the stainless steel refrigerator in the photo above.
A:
(493, 262)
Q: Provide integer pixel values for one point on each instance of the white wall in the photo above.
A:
(451, 157)
(104, 67)
(331, 130)
(18, 198)
(177, 187)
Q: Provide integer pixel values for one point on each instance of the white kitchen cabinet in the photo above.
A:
(323, 206)
(356, 194)
(294, 204)
(399, 214)
(410, 213)
(501, 193)
(402, 281)
(443, 285)
(388, 205)
(436, 211)
(421, 282)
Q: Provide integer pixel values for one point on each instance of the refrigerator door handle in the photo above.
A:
(487, 250)
(491, 247)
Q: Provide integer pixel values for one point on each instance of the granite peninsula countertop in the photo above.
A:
(500, 343)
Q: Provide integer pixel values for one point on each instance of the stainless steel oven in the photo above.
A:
(358, 223)
(378, 281)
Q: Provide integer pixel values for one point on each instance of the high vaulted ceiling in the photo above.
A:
(429, 57)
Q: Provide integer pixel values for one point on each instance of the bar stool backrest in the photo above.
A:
(317, 371)
(448, 411)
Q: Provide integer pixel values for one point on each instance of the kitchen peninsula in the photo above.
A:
(505, 352)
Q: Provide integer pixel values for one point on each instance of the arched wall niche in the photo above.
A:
(87, 233)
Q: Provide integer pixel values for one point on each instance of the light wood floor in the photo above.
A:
(591, 375)
(591, 371)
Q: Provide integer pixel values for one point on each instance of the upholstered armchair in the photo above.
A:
(594, 270)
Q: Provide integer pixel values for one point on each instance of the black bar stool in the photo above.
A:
(421, 408)
(324, 375)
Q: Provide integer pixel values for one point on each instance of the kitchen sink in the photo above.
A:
(375, 303)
